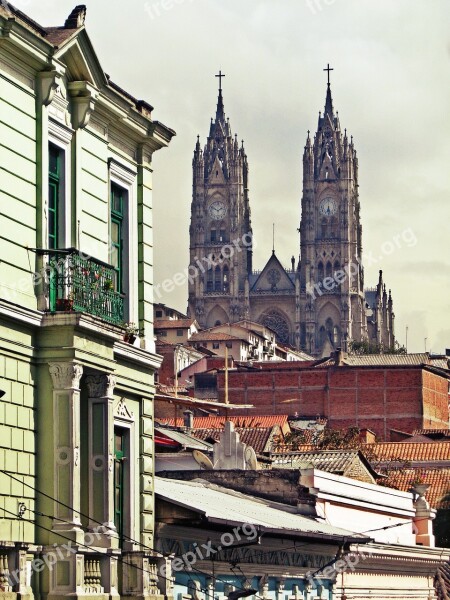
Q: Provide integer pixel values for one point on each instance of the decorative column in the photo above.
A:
(101, 458)
(66, 448)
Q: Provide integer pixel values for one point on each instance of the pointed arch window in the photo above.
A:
(320, 272)
(323, 228)
(210, 281)
(329, 270)
(337, 268)
(213, 237)
(217, 279)
(226, 279)
(336, 336)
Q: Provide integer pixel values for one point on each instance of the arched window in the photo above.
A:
(336, 336)
(329, 270)
(213, 235)
(323, 226)
(337, 268)
(217, 323)
(222, 235)
(217, 279)
(226, 279)
(329, 328)
(210, 281)
(320, 274)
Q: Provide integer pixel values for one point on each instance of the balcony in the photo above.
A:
(78, 283)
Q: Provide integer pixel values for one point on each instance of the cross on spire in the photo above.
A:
(328, 69)
(220, 75)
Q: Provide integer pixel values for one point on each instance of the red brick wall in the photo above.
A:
(384, 398)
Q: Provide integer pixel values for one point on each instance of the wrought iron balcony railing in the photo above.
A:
(83, 284)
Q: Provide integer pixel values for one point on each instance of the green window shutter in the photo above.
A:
(117, 218)
(54, 195)
(119, 479)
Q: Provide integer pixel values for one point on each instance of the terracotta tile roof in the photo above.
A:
(217, 421)
(442, 582)
(170, 389)
(172, 323)
(202, 336)
(258, 438)
(433, 432)
(339, 462)
(419, 452)
(438, 494)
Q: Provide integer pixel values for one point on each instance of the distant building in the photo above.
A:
(318, 303)
(381, 392)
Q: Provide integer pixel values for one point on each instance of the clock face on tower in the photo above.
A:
(328, 207)
(217, 210)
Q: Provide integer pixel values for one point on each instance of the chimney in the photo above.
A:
(339, 357)
(76, 18)
(188, 419)
(367, 436)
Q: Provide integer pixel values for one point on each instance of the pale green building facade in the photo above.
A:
(76, 264)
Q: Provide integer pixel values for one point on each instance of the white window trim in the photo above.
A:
(60, 137)
(126, 420)
(126, 178)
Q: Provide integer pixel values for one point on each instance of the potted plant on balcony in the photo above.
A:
(108, 285)
(65, 304)
(131, 332)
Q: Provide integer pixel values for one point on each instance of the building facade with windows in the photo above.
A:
(77, 351)
(317, 304)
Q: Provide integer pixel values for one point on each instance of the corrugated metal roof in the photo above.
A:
(222, 505)
(332, 461)
(184, 439)
(259, 438)
(387, 359)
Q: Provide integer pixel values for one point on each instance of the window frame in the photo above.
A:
(126, 178)
(59, 137)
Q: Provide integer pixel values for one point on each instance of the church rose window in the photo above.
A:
(277, 323)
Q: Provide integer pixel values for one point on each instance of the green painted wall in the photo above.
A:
(17, 430)
(17, 191)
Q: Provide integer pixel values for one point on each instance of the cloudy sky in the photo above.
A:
(390, 86)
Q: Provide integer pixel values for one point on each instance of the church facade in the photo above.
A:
(317, 304)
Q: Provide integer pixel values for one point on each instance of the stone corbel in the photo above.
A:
(47, 83)
(83, 97)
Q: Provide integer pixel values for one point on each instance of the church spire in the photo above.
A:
(328, 99)
(329, 103)
(220, 112)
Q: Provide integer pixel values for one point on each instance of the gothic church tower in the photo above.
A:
(220, 230)
(332, 278)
